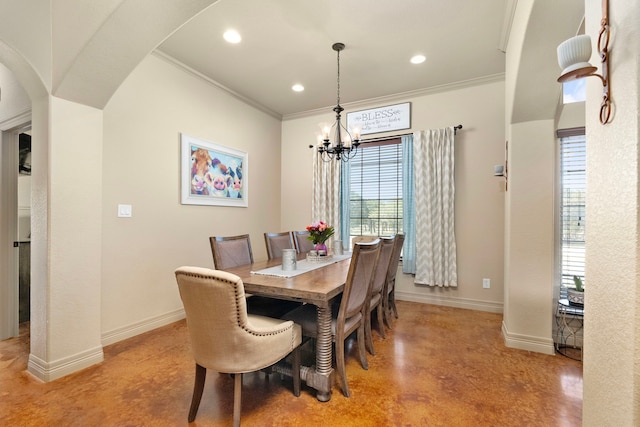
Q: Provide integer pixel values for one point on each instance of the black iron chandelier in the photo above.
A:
(345, 145)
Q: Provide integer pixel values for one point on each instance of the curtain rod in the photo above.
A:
(382, 138)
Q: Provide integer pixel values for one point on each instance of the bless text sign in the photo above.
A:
(382, 119)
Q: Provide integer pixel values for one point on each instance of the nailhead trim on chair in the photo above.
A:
(235, 290)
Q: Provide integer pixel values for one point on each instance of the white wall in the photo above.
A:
(66, 195)
(531, 103)
(479, 195)
(530, 235)
(612, 293)
(141, 162)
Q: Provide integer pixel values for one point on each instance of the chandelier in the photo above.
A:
(344, 145)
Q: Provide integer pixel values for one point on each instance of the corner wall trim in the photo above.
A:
(527, 342)
(142, 326)
(49, 371)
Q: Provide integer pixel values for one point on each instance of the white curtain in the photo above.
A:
(433, 157)
(325, 204)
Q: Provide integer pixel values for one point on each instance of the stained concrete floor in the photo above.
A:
(439, 366)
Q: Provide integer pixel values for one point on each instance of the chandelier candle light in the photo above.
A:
(345, 145)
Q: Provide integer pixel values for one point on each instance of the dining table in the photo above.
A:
(313, 281)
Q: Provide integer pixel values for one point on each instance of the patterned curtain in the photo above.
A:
(325, 204)
(433, 153)
(345, 204)
(409, 207)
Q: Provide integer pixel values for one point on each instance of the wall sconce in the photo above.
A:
(574, 55)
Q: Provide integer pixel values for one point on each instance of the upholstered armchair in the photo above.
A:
(227, 339)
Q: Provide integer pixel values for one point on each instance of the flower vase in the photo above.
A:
(321, 247)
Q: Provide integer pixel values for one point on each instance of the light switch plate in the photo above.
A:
(124, 211)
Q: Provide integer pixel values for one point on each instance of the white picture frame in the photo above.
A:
(213, 174)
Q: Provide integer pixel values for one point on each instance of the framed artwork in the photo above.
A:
(212, 174)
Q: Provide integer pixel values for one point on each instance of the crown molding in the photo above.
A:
(403, 96)
(19, 119)
(173, 61)
(351, 105)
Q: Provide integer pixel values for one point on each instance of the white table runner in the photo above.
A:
(303, 266)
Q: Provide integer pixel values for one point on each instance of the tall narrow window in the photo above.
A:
(573, 174)
(376, 189)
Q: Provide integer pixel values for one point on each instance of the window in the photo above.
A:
(574, 91)
(573, 168)
(376, 189)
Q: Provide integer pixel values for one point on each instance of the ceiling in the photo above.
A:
(289, 41)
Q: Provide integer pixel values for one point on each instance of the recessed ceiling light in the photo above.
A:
(297, 87)
(418, 59)
(232, 36)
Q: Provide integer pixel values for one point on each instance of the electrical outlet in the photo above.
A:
(124, 211)
(486, 283)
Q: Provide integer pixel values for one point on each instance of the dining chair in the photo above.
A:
(225, 338)
(362, 239)
(303, 244)
(351, 313)
(276, 242)
(232, 251)
(376, 293)
(389, 301)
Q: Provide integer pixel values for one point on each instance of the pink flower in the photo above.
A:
(319, 231)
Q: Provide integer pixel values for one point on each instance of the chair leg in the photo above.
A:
(368, 334)
(387, 312)
(237, 399)
(198, 387)
(387, 318)
(361, 346)
(295, 369)
(380, 313)
(340, 365)
(393, 303)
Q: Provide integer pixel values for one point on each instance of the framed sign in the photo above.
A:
(212, 174)
(382, 119)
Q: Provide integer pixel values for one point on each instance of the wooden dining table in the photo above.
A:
(318, 287)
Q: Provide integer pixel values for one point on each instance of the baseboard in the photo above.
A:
(469, 304)
(527, 342)
(49, 371)
(142, 326)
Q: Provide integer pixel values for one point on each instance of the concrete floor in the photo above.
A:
(439, 366)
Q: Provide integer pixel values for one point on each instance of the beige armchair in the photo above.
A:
(227, 339)
(352, 311)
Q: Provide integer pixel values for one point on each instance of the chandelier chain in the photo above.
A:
(338, 85)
